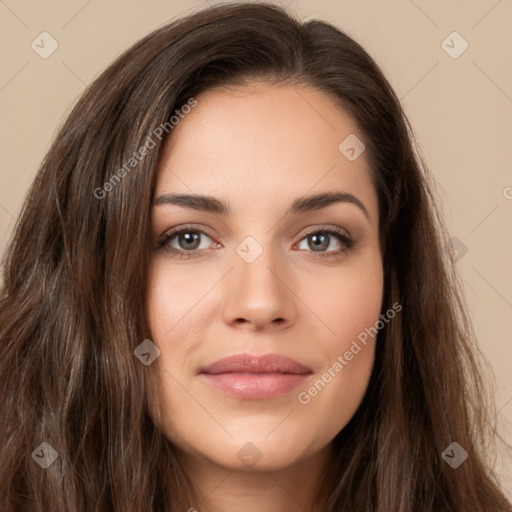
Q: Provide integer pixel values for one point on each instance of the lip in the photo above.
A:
(253, 377)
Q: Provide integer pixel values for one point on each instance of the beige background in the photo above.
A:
(460, 109)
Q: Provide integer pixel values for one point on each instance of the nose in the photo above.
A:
(259, 296)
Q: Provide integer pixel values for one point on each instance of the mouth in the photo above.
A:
(250, 377)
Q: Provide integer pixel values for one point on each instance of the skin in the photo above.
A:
(258, 147)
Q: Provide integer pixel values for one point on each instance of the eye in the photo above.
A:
(187, 241)
(319, 240)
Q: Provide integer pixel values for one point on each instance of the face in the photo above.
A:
(284, 287)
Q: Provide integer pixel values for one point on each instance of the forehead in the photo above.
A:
(263, 143)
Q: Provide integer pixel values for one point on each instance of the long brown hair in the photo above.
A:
(71, 310)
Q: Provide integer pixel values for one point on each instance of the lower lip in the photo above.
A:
(255, 386)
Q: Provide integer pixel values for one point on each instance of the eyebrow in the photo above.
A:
(302, 204)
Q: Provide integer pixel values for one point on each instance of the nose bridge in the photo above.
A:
(256, 262)
(257, 293)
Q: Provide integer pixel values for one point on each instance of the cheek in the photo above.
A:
(339, 386)
(170, 297)
(350, 306)
(348, 301)
(335, 395)
(173, 299)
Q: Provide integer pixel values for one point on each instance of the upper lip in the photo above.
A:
(247, 363)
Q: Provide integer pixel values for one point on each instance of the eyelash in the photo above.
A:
(347, 242)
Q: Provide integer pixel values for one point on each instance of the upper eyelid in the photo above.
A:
(174, 231)
(335, 229)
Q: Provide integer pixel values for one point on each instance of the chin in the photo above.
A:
(254, 450)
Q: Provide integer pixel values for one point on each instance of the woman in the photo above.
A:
(227, 290)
